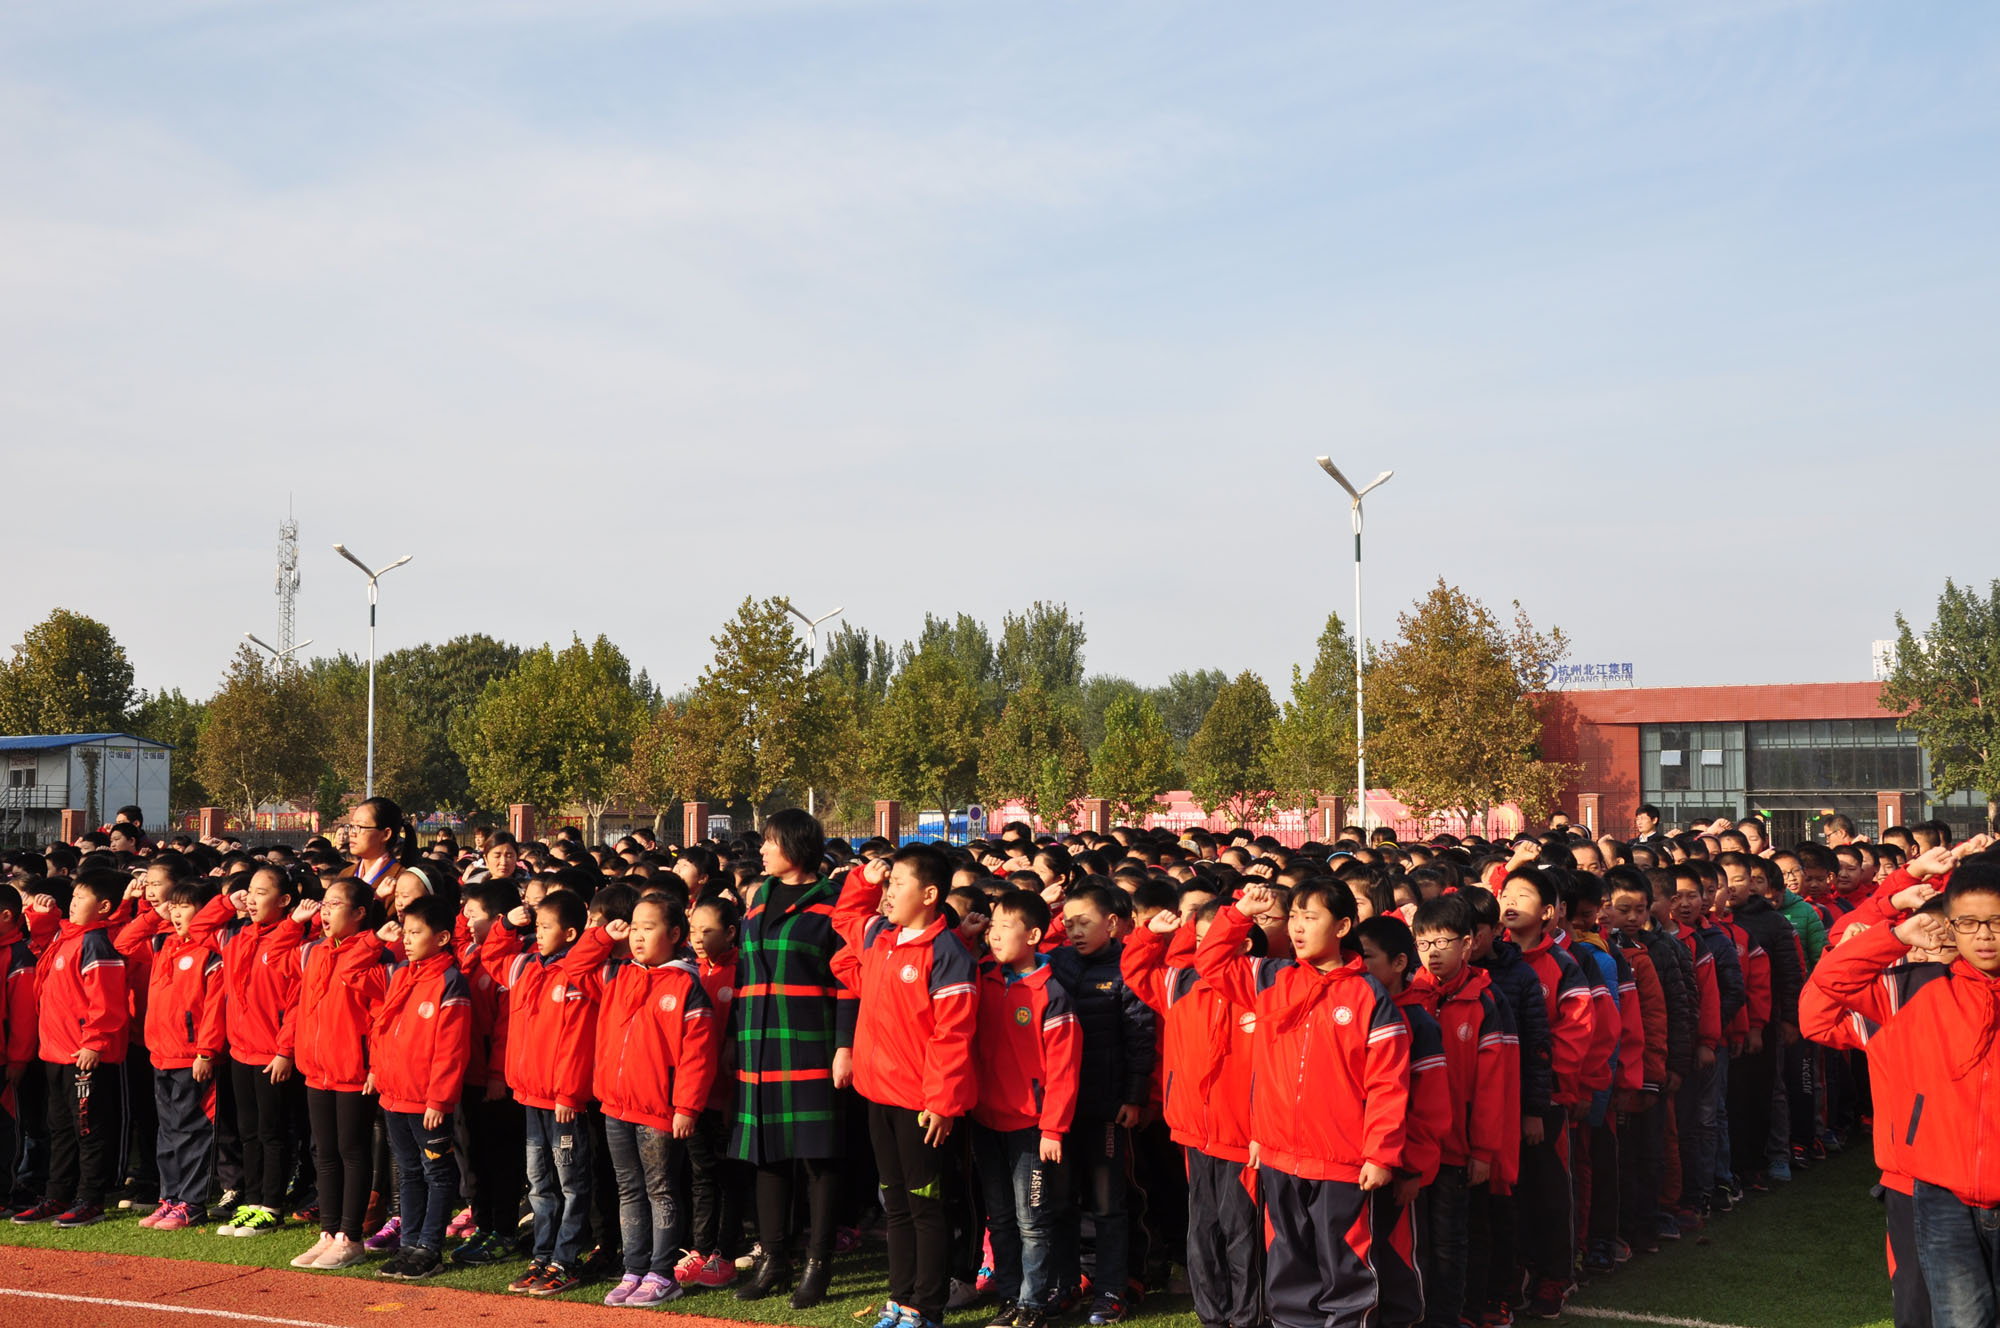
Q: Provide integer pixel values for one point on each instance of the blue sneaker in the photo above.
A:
(892, 1314)
(1780, 1169)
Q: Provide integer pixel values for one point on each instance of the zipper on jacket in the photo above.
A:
(1916, 1114)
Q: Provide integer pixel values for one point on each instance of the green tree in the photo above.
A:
(555, 730)
(1094, 701)
(1455, 709)
(1312, 745)
(1033, 752)
(654, 772)
(1948, 680)
(261, 737)
(171, 718)
(1183, 703)
(923, 746)
(1044, 647)
(860, 664)
(437, 687)
(1135, 763)
(340, 689)
(1225, 758)
(965, 641)
(68, 675)
(759, 723)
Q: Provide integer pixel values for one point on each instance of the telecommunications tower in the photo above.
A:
(288, 581)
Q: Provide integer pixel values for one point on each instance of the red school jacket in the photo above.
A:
(19, 1032)
(80, 996)
(1430, 1089)
(487, 1060)
(136, 939)
(718, 979)
(1482, 1054)
(184, 1007)
(1605, 1021)
(260, 980)
(341, 986)
(919, 1005)
(1332, 1057)
(1837, 1011)
(1572, 1016)
(551, 1016)
(1206, 1044)
(657, 1038)
(421, 1036)
(1028, 1050)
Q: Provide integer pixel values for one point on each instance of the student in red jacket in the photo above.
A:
(1207, 1050)
(494, 1127)
(719, 1181)
(912, 1056)
(1028, 1051)
(656, 1056)
(1335, 1053)
(184, 1034)
(417, 1049)
(343, 976)
(84, 1019)
(260, 984)
(17, 1029)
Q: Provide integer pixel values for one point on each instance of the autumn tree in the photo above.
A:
(1135, 762)
(67, 675)
(340, 689)
(555, 730)
(169, 717)
(1225, 758)
(923, 746)
(261, 738)
(1949, 680)
(1312, 744)
(1455, 709)
(655, 773)
(436, 687)
(1034, 752)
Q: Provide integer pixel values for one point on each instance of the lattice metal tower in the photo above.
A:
(288, 582)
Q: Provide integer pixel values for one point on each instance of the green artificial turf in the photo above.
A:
(1808, 1255)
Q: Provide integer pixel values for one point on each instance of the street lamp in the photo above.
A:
(812, 661)
(1360, 641)
(276, 653)
(373, 577)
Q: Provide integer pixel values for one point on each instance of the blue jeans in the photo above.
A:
(644, 1160)
(426, 1176)
(1958, 1247)
(1024, 1198)
(558, 1184)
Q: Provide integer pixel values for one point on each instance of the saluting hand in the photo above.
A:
(617, 929)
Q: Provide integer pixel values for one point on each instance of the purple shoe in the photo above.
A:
(653, 1289)
(390, 1237)
(622, 1293)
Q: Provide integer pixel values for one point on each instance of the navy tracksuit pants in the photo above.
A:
(1319, 1269)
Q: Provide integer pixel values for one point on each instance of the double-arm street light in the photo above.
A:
(280, 655)
(812, 662)
(373, 577)
(1360, 641)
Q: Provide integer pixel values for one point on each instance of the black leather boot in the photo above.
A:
(812, 1286)
(771, 1275)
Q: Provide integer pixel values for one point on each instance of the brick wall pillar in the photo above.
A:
(889, 820)
(521, 822)
(1590, 813)
(1888, 812)
(209, 823)
(73, 824)
(1096, 815)
(1329, 810)
(694, 823)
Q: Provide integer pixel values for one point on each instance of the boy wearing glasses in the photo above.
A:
(1938, 1044)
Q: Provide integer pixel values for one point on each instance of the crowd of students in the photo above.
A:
(1362, 1083)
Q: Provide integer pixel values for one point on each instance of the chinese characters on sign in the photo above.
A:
(1591, 675)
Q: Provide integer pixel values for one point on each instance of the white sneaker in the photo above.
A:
(310, 1257)
(342, 1253)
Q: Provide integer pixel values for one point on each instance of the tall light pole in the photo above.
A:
(373, 577)
(1360, 641)
(280, 655)
(812, 662)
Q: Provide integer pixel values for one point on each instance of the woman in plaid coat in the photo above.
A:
(794, 1024)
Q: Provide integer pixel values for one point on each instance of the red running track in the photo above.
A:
(72, 1289)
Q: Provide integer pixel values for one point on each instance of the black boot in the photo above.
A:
(771, 1276)
(812, 1286)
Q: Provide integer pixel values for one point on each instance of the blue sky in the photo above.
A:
(1675, 321)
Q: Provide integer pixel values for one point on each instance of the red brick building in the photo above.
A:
(1793, 752)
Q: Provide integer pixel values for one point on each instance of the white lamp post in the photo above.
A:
(812, 661)
(373, 578)
(277, 654)
(1360, 646)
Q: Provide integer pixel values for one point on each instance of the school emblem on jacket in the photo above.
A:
(62, 962)
(725, 995)
(909, 973)
(1022, 1015)
(1247, 1021)
(556, 992)
(667, 1002)
(187, 962)
(1465, 1032)
(1342, 1015)
(425, 1010)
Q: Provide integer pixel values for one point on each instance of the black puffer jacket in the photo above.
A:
(1675, 968)
(1774, 932)
(1120, 1041)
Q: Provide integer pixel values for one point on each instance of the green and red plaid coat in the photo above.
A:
(789, 1016)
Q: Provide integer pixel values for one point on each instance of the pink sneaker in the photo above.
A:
(621, 1293)
(717, 1271)
(655, 1290)
(150, 1220)
(461, 1226)
(171, 1217)
(688, 1270)
(390, 1237)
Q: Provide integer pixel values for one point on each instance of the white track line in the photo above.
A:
(1627, 1316)
(164, 1309)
